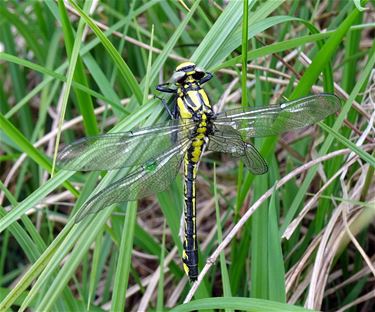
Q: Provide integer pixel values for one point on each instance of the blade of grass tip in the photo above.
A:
(224, 270)
(148, 70)
(123, 68)
(124, 259)
(184, 5)
(142, 59)
(67, 86)
(358, 5)
(245, 34)
(159, 303)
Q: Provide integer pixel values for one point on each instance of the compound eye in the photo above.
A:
(179, 77)
(199, 73)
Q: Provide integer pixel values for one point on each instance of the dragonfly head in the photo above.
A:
(187, 72)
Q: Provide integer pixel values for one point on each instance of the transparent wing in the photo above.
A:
(153, 177)
(126, 149)
(228, 140)
(273, 120)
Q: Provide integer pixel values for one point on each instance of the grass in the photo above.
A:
(296, 237)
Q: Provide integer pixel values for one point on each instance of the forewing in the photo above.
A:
(153, 177)
(127, 149)
(227, 140)
(273, 120)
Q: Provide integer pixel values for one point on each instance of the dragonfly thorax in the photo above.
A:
(193, 102)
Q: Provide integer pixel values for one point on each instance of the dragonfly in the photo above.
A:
(157, 153)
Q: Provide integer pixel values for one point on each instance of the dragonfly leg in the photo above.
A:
(164, 102)
(164, 88)
(206, 78)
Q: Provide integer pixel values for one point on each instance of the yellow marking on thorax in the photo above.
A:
(194, 96)
(184, 113)
(204, 97)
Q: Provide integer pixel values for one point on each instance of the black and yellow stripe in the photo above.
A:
(191, 103)
(191, 162)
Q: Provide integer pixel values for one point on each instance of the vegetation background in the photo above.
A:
(302, 235)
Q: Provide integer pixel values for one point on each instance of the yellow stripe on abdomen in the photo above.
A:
(191, 162)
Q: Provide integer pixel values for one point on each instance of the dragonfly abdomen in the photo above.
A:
(192, 157)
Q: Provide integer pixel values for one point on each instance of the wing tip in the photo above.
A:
(262, 170)
(334, 100)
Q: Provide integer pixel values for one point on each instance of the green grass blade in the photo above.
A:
(224, 271)
(245, 38)
(160, 300)
(81, 242)
(24, 30)
(237, 303)
(343, 140)
(84, 101)
(323, 57)
(56, 75)
(123, 68)
(95, 268)
(327, 143)
(276, 291)
(32, 273)
(17, 137)
(125, 259)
